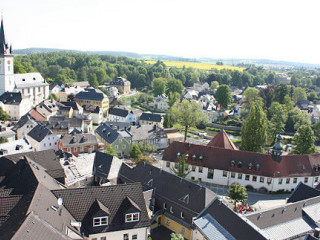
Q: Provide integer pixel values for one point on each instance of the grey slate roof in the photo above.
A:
(302, 192)
(90, 95)
(11, 98)
(76, 140)
(83, 205)
(23, 120)
(180, 194)
(107, 133)
(91, 108)
(218, 221)
(73, 104)
(102, 164)
(120, 81)
(118, 125)
(119, 112)
(146, 132)
(151, 117)
(39, 132)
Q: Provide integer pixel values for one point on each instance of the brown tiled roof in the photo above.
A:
(36, 115)
(222, 140)
(219, 158)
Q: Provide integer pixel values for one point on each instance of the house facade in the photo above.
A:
(41, 138)
(123, 83)
(15, 104)
(160, 103)
(151, 119)
(24, 125)
(93, 97)
(122, 115)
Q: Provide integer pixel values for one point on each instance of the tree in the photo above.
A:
(251, 95)
(188, 114)
(183, 168)
(53, 96)
(254, 130)
(173, 98)
(147, 147)
(135, 152)
(304, 141)
(110, 150)
(296, 118)
(158, 86)
(168, 120)
(299, 94)
(93, 80)
(3, 115)
(277, 122)
(237, 193)
(4, 140)
(214, 85)
(143, 158)
(280, 92)
(312, 96)
(316, 130)
(223, 95)
(176, 236)
(174, 85)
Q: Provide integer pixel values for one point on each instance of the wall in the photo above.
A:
(174, 226)
(118, 235)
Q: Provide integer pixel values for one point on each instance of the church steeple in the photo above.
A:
(4, 46)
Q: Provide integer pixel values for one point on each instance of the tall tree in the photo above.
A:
(4, 116)
(277, 122)
(223, 95)
(251, 95)
(280, 92)
(237, 193)
(254, 130)
(158, 86)
(174, 97)
(182, 168)
(299, 94)
(174, 85)
(188, 114)
(304, 141)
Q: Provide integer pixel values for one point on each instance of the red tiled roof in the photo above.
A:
(36, 115)
(219, 158)
(222, 140)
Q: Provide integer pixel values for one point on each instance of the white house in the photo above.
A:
(191, 94)
(95, 112)
(15, 104)
(160, 103)
(220, 163)
(24, 126)
(14, 147)
(201, 86)
(55, 88)
(122, 115)
(206, 100)
(41, 138)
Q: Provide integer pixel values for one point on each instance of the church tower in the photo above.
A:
(6, 63)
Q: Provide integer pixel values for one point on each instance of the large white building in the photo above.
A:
(31, 85)
(221, 163)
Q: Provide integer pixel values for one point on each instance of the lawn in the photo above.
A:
(202, 66)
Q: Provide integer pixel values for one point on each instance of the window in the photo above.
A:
(81, 149)
(269, 180)
(182, 215)
(305, 180)
(167, 164)
(126, 236)
(182, 230)
(134, 237)
(44, 144)
(192, 178)
(287, 180)
(233, 174)
(100, 221)
(239, 175)
(132, 217)
(200, 179)
(262, 179)
(280, 181)
(200, 169)
(69, 150)
(224, 173)
(247, 177)
(210, 173)
(171, 209)
(103, 238)
(123, 146)
(94, 238)
(295, 180)
(168, 222)
(316, 179)
(75, 149)
(254, 178)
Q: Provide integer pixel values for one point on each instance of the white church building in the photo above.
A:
(31, 85)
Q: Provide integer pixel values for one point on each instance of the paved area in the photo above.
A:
(161, 233)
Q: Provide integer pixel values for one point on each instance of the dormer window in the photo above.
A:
(178, 154)
(193, 157)
(258, 167)
(250, 166)
(132, 217)
(100, 221)
(233, 163)
(239, 164)
(200, 158)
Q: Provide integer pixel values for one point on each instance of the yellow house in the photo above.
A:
(93, 97)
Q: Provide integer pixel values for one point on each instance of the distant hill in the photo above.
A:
(273, 64)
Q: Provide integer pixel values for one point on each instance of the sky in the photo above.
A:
(263, 29)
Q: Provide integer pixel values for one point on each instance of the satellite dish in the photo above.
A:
(60, 201)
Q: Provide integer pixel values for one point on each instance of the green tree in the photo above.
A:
(158, 86)
(147, 147)
(223, 95)
(168, 120)
(188, 114)
(304, 141)
(135, 152)
(254, 130)
(176, 236)
(296, 118)
(299, 94)
(237, 193)
(214, 84)
(174, 85)
(110, 150)
(277, 122)
(4, 140)
(173, 98)
(4, 116)
(182, 168)
(53, 96)
(316, 130)
(280, 92)
(312, 96)
(251, 95)
(93, 80)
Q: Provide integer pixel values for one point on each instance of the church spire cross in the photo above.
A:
(4, 46)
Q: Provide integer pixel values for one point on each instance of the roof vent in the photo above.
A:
(60, 202)
(23, 79)
(34, 78)
(108, 134)
(185, 199)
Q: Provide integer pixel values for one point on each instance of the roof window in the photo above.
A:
(239, 164)
(100, 221)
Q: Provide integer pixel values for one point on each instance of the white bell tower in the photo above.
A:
(6, 64)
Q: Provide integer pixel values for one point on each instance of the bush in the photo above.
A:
(143, 158)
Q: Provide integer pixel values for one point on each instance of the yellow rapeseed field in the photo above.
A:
(202, 66)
